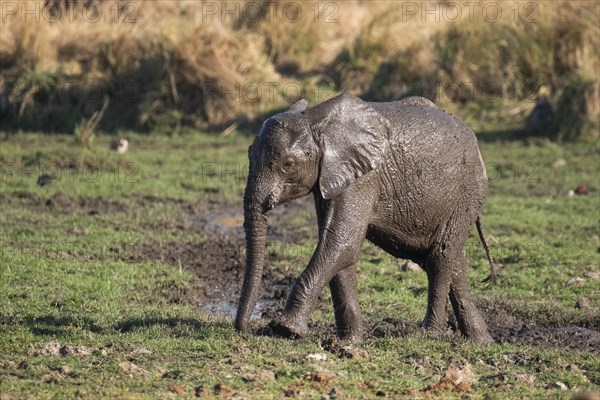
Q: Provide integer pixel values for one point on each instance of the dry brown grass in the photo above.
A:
(188, 66)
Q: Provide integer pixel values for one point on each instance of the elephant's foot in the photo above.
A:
(473, 327)
(480, 337)
(347, 332)
(470, 322)
(348, 323)
(435, 333)
(433, 325)
(288, 328)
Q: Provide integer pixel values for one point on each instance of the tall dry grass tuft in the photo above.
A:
(168, 64)
(511, 60)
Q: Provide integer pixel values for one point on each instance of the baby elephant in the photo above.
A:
(405, 175)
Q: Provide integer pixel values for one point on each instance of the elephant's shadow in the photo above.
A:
(181, 324)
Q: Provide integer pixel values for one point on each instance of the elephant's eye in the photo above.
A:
(289, 163)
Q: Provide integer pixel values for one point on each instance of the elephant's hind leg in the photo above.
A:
(470, 321)
(444, 259)
(438, 266)
(345, 304)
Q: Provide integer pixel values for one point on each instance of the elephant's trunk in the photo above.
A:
(255, 226)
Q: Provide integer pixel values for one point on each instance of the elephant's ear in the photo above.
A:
(298, 106)
(354, 139)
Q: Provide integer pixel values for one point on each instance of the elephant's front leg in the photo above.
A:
(344, 294)
(343, 229)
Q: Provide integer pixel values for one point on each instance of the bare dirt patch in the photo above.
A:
(219, 261)
(64, 204)
(507, 328)
(293, 222)
(219, 264)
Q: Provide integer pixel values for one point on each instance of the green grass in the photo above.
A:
(66, 277)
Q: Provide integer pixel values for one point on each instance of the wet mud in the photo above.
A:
(219, 261)
(506, 328)
(64, 204)
(221, 269)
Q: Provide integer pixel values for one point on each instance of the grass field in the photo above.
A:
(106, 275)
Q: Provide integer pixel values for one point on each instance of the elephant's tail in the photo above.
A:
(493, 275)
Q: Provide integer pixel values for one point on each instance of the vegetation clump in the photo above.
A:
(171, 65)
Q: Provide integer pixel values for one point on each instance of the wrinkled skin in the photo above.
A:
(405, 175)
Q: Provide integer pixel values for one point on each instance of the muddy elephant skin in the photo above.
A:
(405, 175)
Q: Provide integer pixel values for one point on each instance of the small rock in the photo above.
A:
(353, 352)
(173, 388)
(594, 275)
(582, 302)
(47, 349)
(576, 281)
(558, 386)
(262, 376)
(581, 190)
(133, 370)
(460, 375)
(571, 193)
(202, 391)
(410, 266)
(560, 162)
(572, 368)
(317, 357)
(44, 180)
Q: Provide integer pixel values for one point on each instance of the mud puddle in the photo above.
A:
(293, 222)
(65, 204)
(228, 308)
(219, 261)
(219, 264)
(507, 328)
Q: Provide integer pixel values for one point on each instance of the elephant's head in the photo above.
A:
(300, 151)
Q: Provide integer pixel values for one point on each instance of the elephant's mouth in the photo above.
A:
(271, 202)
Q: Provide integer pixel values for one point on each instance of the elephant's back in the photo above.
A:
(428, 133)
(434, 163)
(424, 122)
